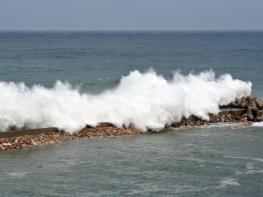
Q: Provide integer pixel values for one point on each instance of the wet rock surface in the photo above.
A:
(29, 138)
(245, 110)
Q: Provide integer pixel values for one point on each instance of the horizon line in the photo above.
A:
(139, 30)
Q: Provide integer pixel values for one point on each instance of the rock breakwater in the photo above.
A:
(252, 106)
(243, 110)
(36, 137)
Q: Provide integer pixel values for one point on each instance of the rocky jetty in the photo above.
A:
(243, 110)
(252, 106)
(35, 137)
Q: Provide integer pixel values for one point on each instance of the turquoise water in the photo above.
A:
(219, 161)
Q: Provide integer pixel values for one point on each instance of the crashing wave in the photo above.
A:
(142, 100)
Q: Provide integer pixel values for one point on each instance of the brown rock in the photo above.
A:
(252, 105)
(249, 98)
(249, 115)
(243, 102)
(2, 147)
(238, 102)
(258, 113)
(259, 103)
(106, 124)
(7, 144)
(259, 118)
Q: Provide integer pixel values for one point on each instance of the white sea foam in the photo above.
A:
(17, 174)
(144, 100)
(257, 124)
(246, 158)
(228, 181)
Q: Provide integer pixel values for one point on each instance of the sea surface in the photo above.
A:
(210, 161)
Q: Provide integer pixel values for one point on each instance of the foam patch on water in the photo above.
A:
(228, 181)
(251, 170)
(257, 124)
(246, 158)
(143, 100)
(17, 174)
(232, 125)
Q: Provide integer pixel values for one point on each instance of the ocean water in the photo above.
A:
(221, 161)
(97, 60)
(217, 161)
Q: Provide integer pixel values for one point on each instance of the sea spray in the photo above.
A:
(143, 100)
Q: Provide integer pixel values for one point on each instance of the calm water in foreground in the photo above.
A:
(219, 161)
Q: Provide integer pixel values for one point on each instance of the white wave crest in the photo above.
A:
(144, 100)
(228, 181)
(257, 124)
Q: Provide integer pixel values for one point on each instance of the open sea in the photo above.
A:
(224, 160)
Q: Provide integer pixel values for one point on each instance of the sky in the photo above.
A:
(112, 15)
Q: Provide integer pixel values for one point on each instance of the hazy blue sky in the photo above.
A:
(130, 14)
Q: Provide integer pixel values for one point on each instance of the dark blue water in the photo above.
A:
(219, 161)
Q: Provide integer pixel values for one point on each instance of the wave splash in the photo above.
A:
(143, 100)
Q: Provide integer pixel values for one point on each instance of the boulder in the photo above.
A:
(234, 112)
(252, 105)
(243, 102)
(249, 98)
(259, 113)
(260, 118)
(238, 102)
(249, 115)
(106, 124)
(259, 103)
(2, 147)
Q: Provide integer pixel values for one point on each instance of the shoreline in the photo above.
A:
(244, 110)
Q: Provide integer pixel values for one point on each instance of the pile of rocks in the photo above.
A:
(29, 138)
(28, 141)
(244, 109)
(193, 121)
(106, 130)
(253, 106)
